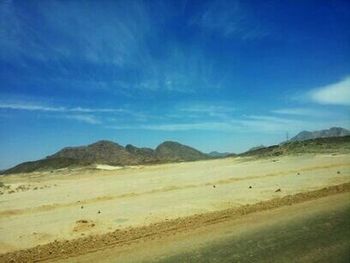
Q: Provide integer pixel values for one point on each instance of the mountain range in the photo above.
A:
(111, 153)
(332, 132)
(322, 141)
(326, 145)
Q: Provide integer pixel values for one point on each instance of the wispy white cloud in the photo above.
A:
(38, 107)
(118, 35)
(90, 119)
(303, 112)
(266, 123)
(30, 107)
(216, 111)
(81, 114)
(201, 108)
(84, 114)
(335, 94)
(191, 116)
(181, 70)
(177, 126)
(272, 124)
(243, 124)
(118, 30)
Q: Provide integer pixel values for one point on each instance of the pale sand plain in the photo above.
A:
(69, 204)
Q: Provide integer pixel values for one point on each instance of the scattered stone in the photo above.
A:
(278, 190)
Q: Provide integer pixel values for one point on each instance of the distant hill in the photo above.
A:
(216, 154)
(332, 132)
(44, 164)
(143, 155)
(104, 152)
(174, 151)
(257, 147)
(111, 153)
(318, 145)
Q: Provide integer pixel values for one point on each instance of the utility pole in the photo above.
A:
(287, 136)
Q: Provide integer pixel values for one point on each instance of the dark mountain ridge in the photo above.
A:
(143, 155)
(111, 153)
(329, 145)
(105, 152)
(332, 132)
(330, 140)
(174, 151)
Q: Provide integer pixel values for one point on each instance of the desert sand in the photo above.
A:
(48, 207)
(311, 231)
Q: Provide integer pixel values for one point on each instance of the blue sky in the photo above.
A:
(217, 75)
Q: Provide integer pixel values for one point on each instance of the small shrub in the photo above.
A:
(2, 184)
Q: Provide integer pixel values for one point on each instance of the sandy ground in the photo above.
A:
(327, 232)
(43, 207)
(312, 231)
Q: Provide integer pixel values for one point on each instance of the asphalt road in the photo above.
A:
(323, 237)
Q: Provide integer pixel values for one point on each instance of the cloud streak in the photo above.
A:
(90, 119)
(243, 124)
(77, 24)
(114, 42)
(37, 107)
(80, 114)
(206, 108)
(191, 117)
(307, 112)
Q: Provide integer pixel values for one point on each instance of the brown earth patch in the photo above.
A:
(83, 225)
